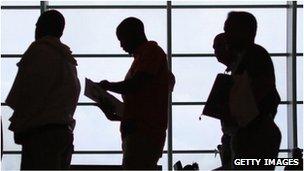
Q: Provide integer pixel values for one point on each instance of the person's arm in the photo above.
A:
(137, 82)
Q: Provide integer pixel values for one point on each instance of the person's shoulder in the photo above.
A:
(153, 48)
(258, 50)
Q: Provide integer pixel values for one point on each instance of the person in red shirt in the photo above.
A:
(145, 93)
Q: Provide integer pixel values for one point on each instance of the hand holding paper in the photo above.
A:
(102, 97)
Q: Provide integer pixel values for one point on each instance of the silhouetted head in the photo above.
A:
(50, 23)
(131, 33)
(220, 49)
(240, 29)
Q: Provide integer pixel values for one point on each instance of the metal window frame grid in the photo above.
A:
(291, 56)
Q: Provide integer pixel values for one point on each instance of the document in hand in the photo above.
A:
(218, 97)
(97, 94)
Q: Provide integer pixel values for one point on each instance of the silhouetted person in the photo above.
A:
(223, 56)
(145, 93)
(261, 137)
(44, 98)
(297, 153)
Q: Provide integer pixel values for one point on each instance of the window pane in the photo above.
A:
(8, 74)
(205, 161)
(190, 133)
(19, 3)
(99, 33)
(299, 30)
(11, 162)
(207, 23)
(96, 159)
(13, 40)
(94, 132)
(8, 136)
(107, 2)
(188, 129)
(107, 159)
(300, 78)
(300, 125)
(281, 121)
(195, 77)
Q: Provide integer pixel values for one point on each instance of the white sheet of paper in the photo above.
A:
(94, 92)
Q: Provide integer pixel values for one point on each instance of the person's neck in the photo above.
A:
(140, 43)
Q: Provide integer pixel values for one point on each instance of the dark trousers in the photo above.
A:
(141, 152)
(260, 139)
(47, 149)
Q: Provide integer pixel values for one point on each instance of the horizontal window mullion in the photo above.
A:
(127, 55)
(173, 103)
(107, 6)
(226, 6)
(15, 7)
(120, 152)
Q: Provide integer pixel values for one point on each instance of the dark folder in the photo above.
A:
(218, 96)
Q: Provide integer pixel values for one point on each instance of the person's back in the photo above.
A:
(46, 71)
(44, 97)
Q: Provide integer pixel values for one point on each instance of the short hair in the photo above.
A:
(245, 20)
(52, 22)
(131, 25)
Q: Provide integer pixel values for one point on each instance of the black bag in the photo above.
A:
(217, 102)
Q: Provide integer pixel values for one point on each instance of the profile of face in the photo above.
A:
(127, 42)
(221, 50)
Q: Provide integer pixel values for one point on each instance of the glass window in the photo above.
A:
(299, 30)
(300, 125)
(106, 159)
(13, 40)
(190, 133)
(11, 162)
(90, 31)
(204, 161)
(8, 74)
(281, 121)
(19, 3)
(207, 23)
(94, 131)
(300, 78)
(8, 136)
